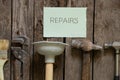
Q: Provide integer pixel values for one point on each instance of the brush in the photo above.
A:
(4, 45)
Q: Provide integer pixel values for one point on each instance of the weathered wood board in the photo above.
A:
(22, 25)
(107, 29)
(5, 30)
(74, 58)
(25, 17)
(38, 63)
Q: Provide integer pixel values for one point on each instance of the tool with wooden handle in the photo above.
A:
(86, 46)
(116, 46)
(49, 49)
(4, 45)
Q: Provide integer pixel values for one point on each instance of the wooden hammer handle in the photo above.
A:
(49, 71)
(86, 66)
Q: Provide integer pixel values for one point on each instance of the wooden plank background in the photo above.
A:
(25, 17)
(107, 29)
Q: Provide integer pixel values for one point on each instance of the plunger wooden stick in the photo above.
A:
(49, 71)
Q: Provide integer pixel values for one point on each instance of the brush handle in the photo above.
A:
(2, 62)
(49, 71)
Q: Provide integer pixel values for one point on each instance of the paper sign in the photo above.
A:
(64, 22)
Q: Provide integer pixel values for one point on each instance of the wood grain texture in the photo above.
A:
(17, 70)
(22, 20)
(78, 64)
(39, 62)
(107, 29)
(73, 60)
(5, 30)
(5, 19)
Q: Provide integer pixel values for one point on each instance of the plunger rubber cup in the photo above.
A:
(50, 49)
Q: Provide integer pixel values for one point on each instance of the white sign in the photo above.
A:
(64, 22)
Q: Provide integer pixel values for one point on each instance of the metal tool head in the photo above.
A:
(22, 40)
(115, 45)
(85, 45)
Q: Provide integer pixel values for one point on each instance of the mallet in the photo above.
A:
(116, 46)
(50, 49)
(4, 45)
(86, 46)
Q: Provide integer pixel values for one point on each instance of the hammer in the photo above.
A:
(86, 46)
(116, 46)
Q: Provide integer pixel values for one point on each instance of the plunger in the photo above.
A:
(49, 49)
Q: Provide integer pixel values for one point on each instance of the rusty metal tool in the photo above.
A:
(116, 46)
(86, 46)
(4, 45)
(49, 49)
(19, 47)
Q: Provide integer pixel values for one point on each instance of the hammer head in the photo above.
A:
(20, 41)
(115, 45)
(85, 45)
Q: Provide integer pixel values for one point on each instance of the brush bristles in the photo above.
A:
(4, 44)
